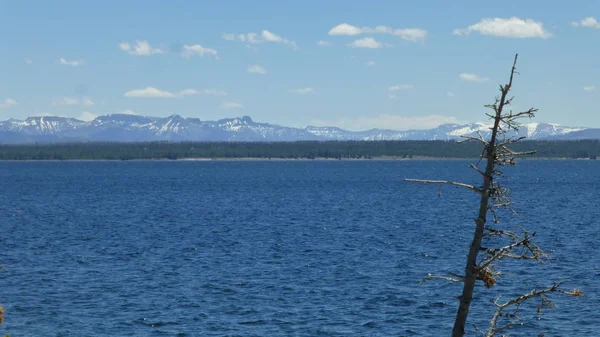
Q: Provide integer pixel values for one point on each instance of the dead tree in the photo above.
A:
(493, 196)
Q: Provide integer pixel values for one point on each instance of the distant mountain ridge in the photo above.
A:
(132, 128)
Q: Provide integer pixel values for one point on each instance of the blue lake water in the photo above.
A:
(295, 248)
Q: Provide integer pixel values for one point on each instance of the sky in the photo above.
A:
(352, 64)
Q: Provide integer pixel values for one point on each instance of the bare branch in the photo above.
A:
(444, 182)
(523, 114)
(517, 301)
(512, 73)
(493, 196)
(524, 153)
(471, 166)
(446, 278)
(468, 138)
(532, 252)
(510, 141)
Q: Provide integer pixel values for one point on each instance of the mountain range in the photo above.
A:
(132, 128)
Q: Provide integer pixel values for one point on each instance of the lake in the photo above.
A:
(280, 248)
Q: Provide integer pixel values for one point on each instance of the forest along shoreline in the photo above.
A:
(302, 150)
(250, 159)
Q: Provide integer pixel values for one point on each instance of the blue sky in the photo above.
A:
(386, 64)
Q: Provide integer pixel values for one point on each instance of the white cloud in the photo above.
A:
(28, 61)
(188, 51)
(264, 36)
(393, 89)
(153, 92)
(249, 37)
(409, 34)
(472, 78)
(511, 27)
(210, 92)
(291, 44)
(367, 42)
(370, 63)
(589, 22)
(257, 69)
(66, 101)
(231, 105)
(270, 37)
(7, 103)
(150, 92)
(140, 48)
(323, 43)
(590, 88)
(450, 94)
(73, 101)
(387, 121)
(87, 116)
(400, 87)
(307, 90)
(87, 101)
(228, 36)
(73, 63)
(345, 29)
(47, 114)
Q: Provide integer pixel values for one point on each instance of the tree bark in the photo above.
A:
(471, 267)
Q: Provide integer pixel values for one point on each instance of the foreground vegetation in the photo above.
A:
(285, 150)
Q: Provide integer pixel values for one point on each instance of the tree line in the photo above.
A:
(285, 150)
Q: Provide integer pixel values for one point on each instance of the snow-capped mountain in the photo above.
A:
(128, 128)
(41, 125)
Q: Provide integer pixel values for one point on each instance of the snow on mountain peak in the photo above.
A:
(473, 128)
(531, 128)
(124, 127)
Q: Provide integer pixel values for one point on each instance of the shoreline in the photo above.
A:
(242, 159)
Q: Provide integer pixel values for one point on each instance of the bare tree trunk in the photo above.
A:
(471, 271)
(494, 196)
